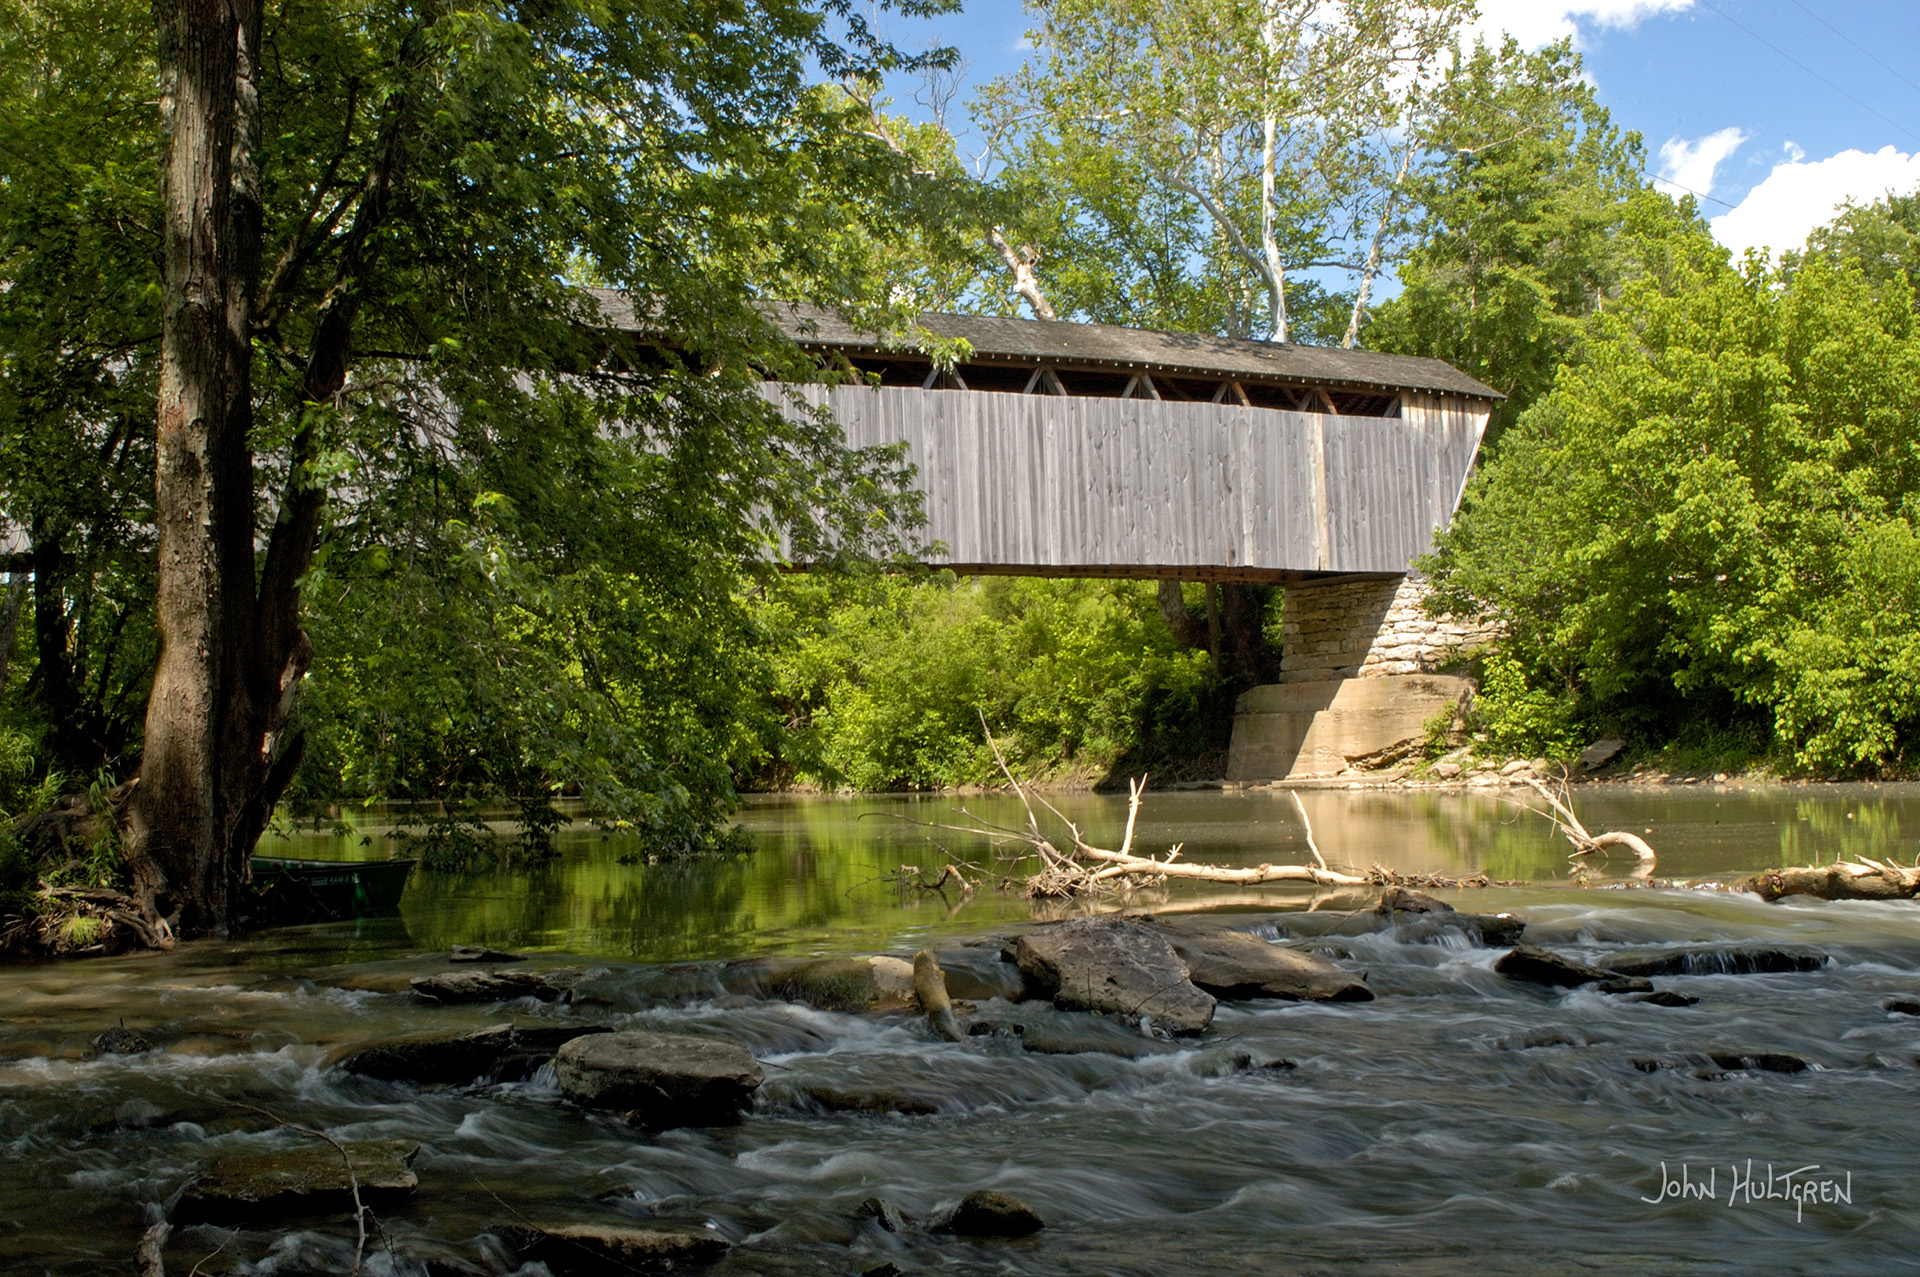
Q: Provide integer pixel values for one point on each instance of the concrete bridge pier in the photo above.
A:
(1358, 680)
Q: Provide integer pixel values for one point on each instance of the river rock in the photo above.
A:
(1543, 966)
(885, 1268)
(1737, 961)
(877, 983)
(884, 1213)
(496, 1053)
(1234, 966)
(990, 1214)
(1636, 984)
(1113, 965)
(480, 953)
(1600, 753)
(1666, 998)
(120, 1040)
(1046, 1031)
(1708, 1064)
(1420, 917)
(837, 1099)
(663, 1079)
(590, 1250)
(1902, 1006)
(492, 986)
(310, 1178)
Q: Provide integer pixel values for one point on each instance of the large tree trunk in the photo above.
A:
(195, 762)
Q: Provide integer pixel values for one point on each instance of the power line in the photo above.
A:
(1869, 54)
(1709, 5)
(1699, 195)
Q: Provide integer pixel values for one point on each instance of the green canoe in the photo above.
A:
(322, 890)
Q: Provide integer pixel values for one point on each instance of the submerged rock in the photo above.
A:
(493, 986)
(480, 953)
(886, 1268)
(990, 1214)
(836, 1099)
(662, 1079)
(120, 1040)
(1543, 966)
(589, 1250)
(311, 1178)
(1626, 984)
(1232, 966)
(884, 1213)
(1406, 900)
(1709, 1064)
(1666, 998)
(1045, 1031)
(1417, 916)
(1722, 961)
(500, 1052)
(1902, 1006)
(1113, 965)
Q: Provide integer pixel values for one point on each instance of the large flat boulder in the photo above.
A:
(1234, 966)
(306, 1179)
(661, 1079)
(494, 986)
(1114, 966)
(592, 1249)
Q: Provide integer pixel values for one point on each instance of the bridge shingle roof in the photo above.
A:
(1105, 345)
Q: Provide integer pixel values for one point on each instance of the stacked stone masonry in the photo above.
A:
(1369, 628)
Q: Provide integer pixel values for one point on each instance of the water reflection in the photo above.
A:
(825, 872)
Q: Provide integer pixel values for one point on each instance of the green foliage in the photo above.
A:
(536, 534)
(1711, 518)
(1520, 718)
(1518, 235)
(884, 682)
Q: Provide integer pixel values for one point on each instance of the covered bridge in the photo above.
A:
(1062, 449)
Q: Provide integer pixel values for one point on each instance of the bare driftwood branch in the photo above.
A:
(1560, 812)
(360, 1211)
(148, 1257)
(1068, 873)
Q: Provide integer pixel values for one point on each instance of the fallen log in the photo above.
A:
(1843, 880)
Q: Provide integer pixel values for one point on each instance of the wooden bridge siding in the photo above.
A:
(1050, 482)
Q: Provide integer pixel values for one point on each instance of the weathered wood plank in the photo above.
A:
(1144, 487)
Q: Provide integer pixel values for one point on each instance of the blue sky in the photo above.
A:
(1776, 110)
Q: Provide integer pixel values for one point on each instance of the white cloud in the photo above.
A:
(1689, 166)
(1798, 196)
(1535, 23)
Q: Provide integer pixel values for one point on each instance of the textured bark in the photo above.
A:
(199, 761)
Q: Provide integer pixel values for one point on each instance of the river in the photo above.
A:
(1460, 1123)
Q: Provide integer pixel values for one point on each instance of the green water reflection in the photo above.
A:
(821, 880)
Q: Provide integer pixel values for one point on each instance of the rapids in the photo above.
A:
(1460, 1123)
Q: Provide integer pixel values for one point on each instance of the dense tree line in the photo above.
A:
(416, 524)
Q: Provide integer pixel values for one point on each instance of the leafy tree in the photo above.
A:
(77, 372)
(882, 682)
(1710, 518)
(378, 376)
(1273, 138)
(1518, 235)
